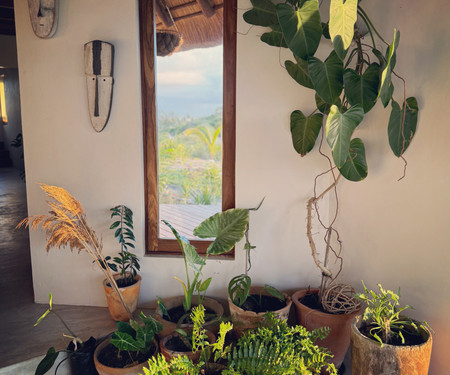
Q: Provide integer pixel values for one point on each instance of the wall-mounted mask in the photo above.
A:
(44, 17)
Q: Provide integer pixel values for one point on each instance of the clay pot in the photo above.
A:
(130, 295)
(338, 340)
(369, 358)
(169, 354)
(106, 370)
(208, 303)
(245, 319)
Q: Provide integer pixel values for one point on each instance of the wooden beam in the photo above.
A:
(206, 7)
(163, 13)
(191, 15)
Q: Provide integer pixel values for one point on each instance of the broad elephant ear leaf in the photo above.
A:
(362, 89)
(343, 17)
(301, 27)
(226, 227)
(305, 131)
(400, 135)
(355, 168)
(262, 14)
(386, 86)
(299, 72)
(327, 77)
(339, 129)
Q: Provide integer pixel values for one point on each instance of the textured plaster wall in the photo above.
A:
(393, 232)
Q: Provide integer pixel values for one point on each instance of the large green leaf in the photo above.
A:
(275, 37)
(190, 254)
(301, 28)
(399, 135)
(342, 24)
(355, 168)
(339, 129)
(327, 76)
(323, 106)
(262, 14)
(362, 89)
(299, 72)
(304, 131)
(47, 362)
(124, 341)
(386, 86)
(226, 227)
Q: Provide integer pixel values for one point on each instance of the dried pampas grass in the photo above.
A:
(66, 225)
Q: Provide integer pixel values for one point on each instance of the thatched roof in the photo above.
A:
(200, 21)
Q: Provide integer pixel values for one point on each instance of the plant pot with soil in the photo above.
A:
(385, 342)
(129, 348)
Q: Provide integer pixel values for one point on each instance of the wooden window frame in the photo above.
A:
(154, 244)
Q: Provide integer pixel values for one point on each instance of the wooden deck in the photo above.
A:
(184, 218)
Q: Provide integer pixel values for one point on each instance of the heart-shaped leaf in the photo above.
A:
(400, 135)
(327, 77)
(362, 89)
(323, 106)
(262, 14)
(226, 227)
(339, 129)
(342, 24)
(299, 72)
(305, 131)
(301, 27)
(274, 38)
(355, 168)
(386, 86)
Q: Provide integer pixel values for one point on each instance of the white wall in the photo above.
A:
(393, 232)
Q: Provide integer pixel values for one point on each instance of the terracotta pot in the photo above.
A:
(130, 295)
(169, 354)
(208, 303)
(369, 358)
(106, 370)
(338, 340)
(244, 320)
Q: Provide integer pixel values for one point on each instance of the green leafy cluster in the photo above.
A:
(346, 85)
(134, 337)
(275, 348)
(382, 315)
(227, 228)
(126, 262)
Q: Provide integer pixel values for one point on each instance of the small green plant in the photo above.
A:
(126, 262)
(382, 315)
(133, 337)
(277, 349)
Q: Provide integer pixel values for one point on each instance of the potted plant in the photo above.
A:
(385, 341)
(129, 348)
(226, 228)
(80, 353)
(345, 86)
(248, 304)
(126, 264)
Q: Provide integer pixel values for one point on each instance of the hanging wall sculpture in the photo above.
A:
(98, 65)
(44, 17)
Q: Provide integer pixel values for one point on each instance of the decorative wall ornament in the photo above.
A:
(98, 65)
(44, 17)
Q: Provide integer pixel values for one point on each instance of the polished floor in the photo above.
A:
(19, 339)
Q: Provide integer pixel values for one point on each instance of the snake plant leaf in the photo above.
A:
(362, 89)
(355, 168)
(339, 129)
(343, 16)
(399, 135)
(305, 131)
(275, 37)
(299, 72)
(262, 14)
(386, 86)
(190, 254)
(226, 227)
(301, 27)
(327, 77)
(47, 362)
(323, 106)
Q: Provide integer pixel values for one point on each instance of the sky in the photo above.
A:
(190, 82)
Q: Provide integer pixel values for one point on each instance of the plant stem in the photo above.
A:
(368, 28)
(64, 323)
(371, 25)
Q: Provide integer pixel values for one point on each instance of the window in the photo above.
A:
(154, 16)
(3, 116)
